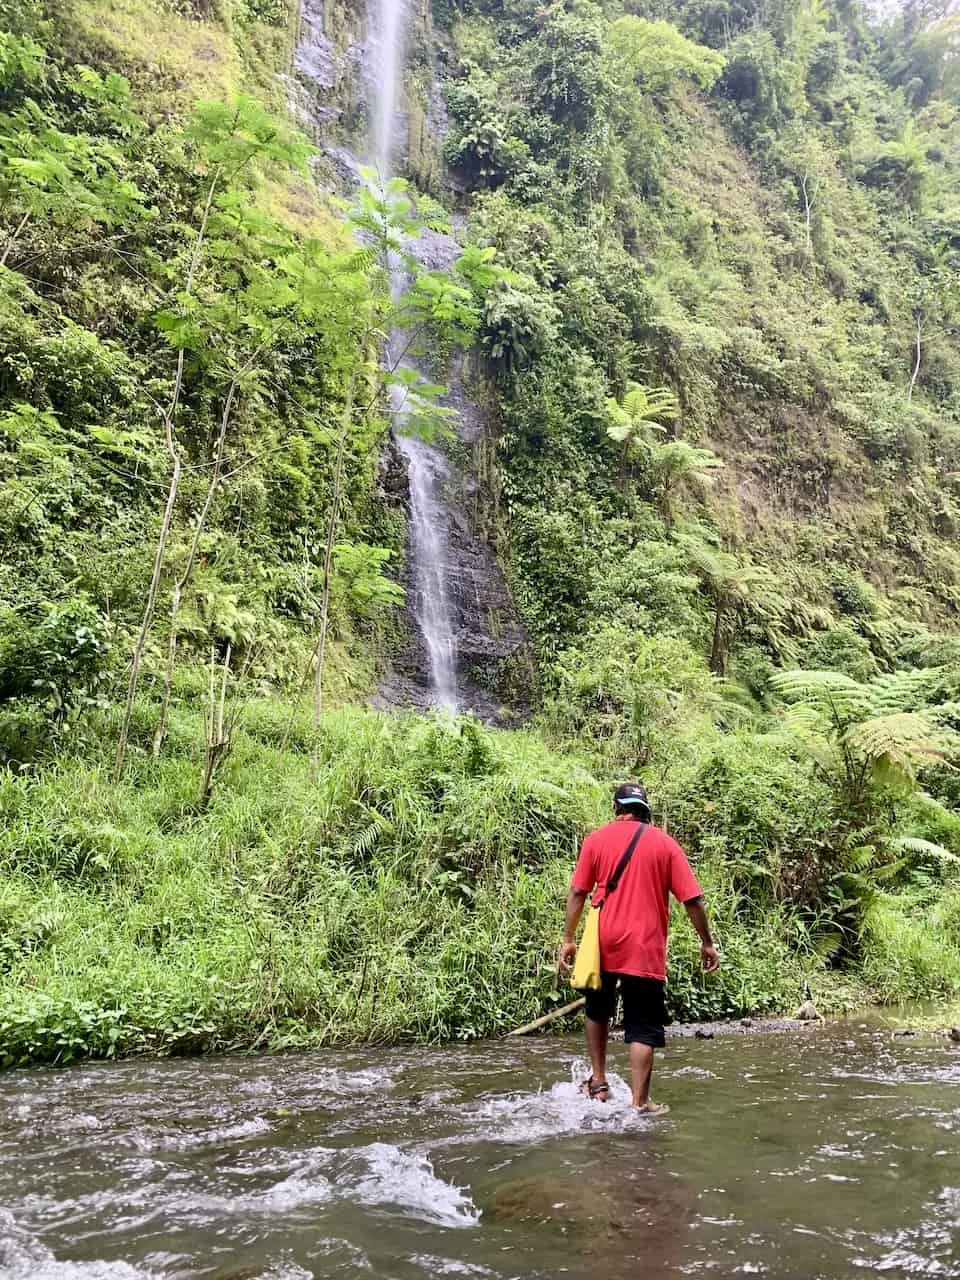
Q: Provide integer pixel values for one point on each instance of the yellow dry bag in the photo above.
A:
(587, 974)
(586, 966)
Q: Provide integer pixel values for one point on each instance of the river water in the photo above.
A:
(829, 1153)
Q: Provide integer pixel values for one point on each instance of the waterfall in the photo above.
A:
(387, 60)
(427, 470)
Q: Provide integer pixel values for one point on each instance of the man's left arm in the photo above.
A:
(709, 956)
(686, 889)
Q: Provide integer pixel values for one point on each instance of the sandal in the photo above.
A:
(597, 1092)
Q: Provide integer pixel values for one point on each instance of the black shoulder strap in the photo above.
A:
(624, 861)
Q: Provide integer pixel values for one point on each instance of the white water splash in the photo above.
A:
(24, 1257)
(407, 1180)
(216, 1137)
(532, 1117)
(285, 1271)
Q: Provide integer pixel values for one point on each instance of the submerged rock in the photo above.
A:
(635, 1221)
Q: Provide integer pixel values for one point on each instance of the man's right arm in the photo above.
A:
(709, 956)
(568, 948)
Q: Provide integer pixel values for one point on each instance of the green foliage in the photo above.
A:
(21, 61)
(657, 55)
(715, 297)
(57, 658)
(904, 959)
(411, 890)
(883, 729)
(518, 325)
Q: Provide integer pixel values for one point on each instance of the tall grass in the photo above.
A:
(912, 954)
(413, 888)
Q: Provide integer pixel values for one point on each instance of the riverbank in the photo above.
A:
(409, 888)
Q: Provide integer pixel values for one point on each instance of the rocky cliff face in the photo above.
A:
(493, 658)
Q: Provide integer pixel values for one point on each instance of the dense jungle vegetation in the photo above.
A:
(710, 283)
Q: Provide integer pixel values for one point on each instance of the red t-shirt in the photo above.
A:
(633, 924)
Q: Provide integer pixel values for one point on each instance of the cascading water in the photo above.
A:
(427, 469)
(388, 57)
(427, 472)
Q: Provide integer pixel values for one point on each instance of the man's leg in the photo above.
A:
(641, 1069)
(644, 1015)
(597, 1033)
(599, 1011)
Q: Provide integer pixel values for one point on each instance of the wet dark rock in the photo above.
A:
(745, 1027)
(954, 1034)
(634, 1226)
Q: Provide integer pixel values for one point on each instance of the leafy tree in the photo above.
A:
(668, 465)
(655, 54)
(569, 74)
(519, 323)
(55, 655)
(226, 138)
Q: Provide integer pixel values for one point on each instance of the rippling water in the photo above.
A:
(831, 1153)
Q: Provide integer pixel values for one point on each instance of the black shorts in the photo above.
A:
(644, 1007)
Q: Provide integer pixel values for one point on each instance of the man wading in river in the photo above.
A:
(633, 935)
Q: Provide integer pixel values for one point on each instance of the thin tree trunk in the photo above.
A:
(218, 741)
(808, 202)
(177, 461)
(14, 238)
(328, 562)
(916, 364)
(223, 692)
(181, 584)
(151, 604)
(717, 656)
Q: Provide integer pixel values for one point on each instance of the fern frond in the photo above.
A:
(827, 943)
(829, 691)
(924, 848)
(707, 562)
(801, 719)
(368, 839)
(904, 690)
(363, 260)
(861, 858)
(903, 741)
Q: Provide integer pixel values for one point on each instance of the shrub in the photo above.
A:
(56, 656)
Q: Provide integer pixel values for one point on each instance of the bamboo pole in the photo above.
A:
(572, 1007)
